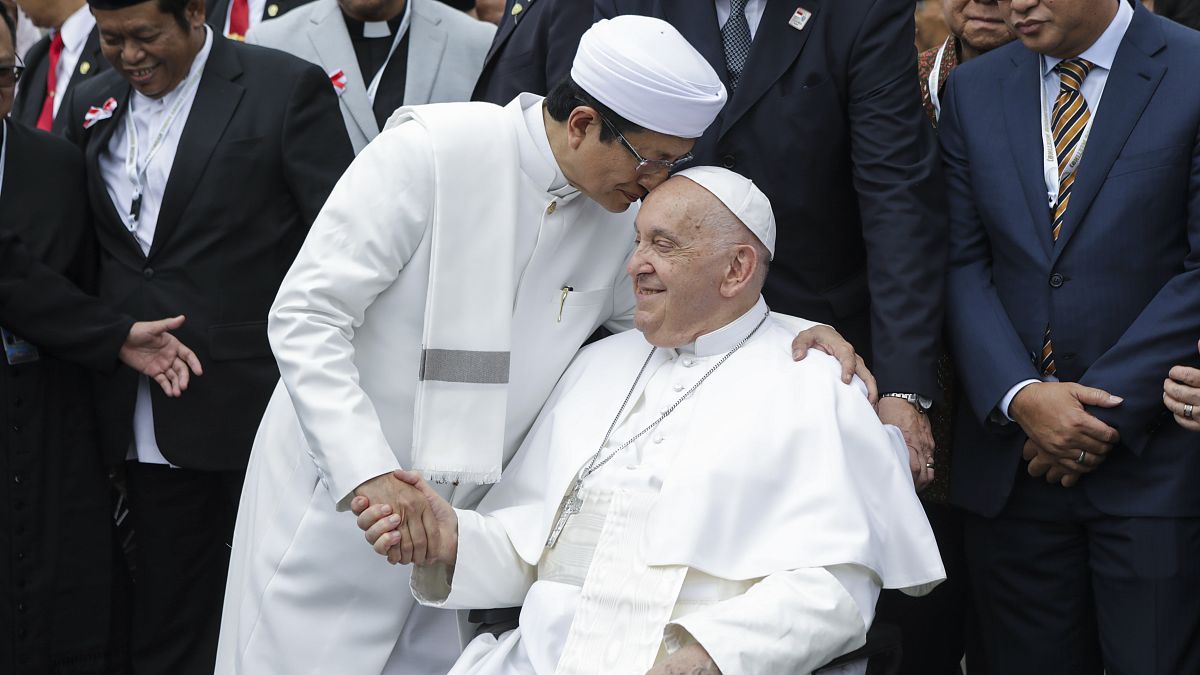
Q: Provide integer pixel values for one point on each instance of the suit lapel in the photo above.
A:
(697, 22)
(776, 46)
(216, 16)
(217, 97)
(508, 24)
(28, 105)
(101, 135)
(1132, 82)
(1022, 118)
(426, 42)
(331, 39)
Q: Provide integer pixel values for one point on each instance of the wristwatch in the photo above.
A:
(921, 403)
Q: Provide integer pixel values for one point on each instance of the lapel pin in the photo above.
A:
(800, 19)
(84, 67)
(272, 10)
(94, 114)
(338, 79)
(517, 9)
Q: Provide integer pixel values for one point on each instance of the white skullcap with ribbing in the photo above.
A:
(741, 196)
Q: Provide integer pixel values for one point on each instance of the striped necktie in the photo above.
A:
(1068, 121)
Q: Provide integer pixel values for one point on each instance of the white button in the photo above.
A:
(632, 467)
(678, 387)
(658, 439)
(664, 411)
(688, 363)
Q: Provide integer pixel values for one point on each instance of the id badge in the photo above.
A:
(17, 350)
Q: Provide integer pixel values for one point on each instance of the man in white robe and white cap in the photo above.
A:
(455, 270)
(688, 501)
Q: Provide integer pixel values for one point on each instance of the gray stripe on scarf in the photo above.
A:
(459, 365)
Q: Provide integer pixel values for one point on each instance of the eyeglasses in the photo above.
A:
(645, 167)
(10, 74)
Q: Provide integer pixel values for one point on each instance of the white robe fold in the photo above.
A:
(773, 473)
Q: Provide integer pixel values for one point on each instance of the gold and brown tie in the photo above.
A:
(1068, 121)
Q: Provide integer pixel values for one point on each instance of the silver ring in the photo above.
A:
(1082, 456)
(1187, 410)
(928, 465)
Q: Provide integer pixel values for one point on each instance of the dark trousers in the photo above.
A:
(183, 526)
(1063, 589)
(937, 629)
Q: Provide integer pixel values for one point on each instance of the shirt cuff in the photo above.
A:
(1012, 393)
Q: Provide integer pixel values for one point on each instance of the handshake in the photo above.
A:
(405, 520)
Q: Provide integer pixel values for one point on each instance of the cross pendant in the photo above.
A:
(570, 506)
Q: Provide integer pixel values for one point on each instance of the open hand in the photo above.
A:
(828, 340)
(152, 351)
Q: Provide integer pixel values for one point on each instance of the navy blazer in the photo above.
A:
(827, 121)
(1121, 286)
(533, 50)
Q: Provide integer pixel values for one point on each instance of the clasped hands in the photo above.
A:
(405, 520)
(1065, 441)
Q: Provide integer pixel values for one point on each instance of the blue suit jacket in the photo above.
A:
(1120, 287)
(827, 121)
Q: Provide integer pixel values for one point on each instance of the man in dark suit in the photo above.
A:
(235, 18)
(207, 162)
(1074, 180)
(825, 117)
(68, 55)
(533, 48)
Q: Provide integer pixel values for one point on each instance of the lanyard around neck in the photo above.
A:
(1050, 168)
(373, 88)
(137, 177)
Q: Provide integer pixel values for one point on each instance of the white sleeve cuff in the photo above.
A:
(1012, 393)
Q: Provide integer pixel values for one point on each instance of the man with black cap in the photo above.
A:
(410, 336)
(207, 161)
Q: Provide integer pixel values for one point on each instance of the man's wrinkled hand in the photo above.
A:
(1052, 415)
(414, 525)
(154, 352)
(1182, 389)
(1044, 464)
(918, 436)
(382, 527)
(689, 660)
(828, 340)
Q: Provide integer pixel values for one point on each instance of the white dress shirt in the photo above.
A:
(148, 115)
(754, 13)
(1101, 55)
(256, 12)
(75, 31)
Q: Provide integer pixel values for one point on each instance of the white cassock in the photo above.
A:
(759, 519)
(303, 594)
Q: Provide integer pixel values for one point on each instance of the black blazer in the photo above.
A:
(533, 50)
(828, 123)
(28, 104)
(36, 301)
(215, 12)
(263, 146)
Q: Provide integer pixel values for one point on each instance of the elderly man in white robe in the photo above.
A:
(455, 270)
(688, 501)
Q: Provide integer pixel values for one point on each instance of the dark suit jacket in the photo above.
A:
(36, 301)
(532, 51)
(827, 122)
(215, 11)
(28, 104)
(1121, 286)
(263, 146)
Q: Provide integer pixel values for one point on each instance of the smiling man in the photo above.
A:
(460, 263)
(688, 501)
(207, 161)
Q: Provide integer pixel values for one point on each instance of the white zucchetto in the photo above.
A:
(646, 72)
(741, 196)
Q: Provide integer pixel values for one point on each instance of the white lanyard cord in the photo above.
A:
(935, 80)
(373, 88)
(137, 176)
(1050, 150)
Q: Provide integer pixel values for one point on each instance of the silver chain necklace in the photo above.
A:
(572, 503)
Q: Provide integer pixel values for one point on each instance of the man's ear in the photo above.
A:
(194, 11)
(743, 263)
(578, 122)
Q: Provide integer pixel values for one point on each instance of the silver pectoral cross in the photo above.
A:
(570, 506)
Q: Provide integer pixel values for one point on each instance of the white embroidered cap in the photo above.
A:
(741, 196)
(646, 72)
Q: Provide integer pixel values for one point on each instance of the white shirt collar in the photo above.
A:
(145, 103)
(1103, 51)
(76, 28)
(548, 173)
(724, 338)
